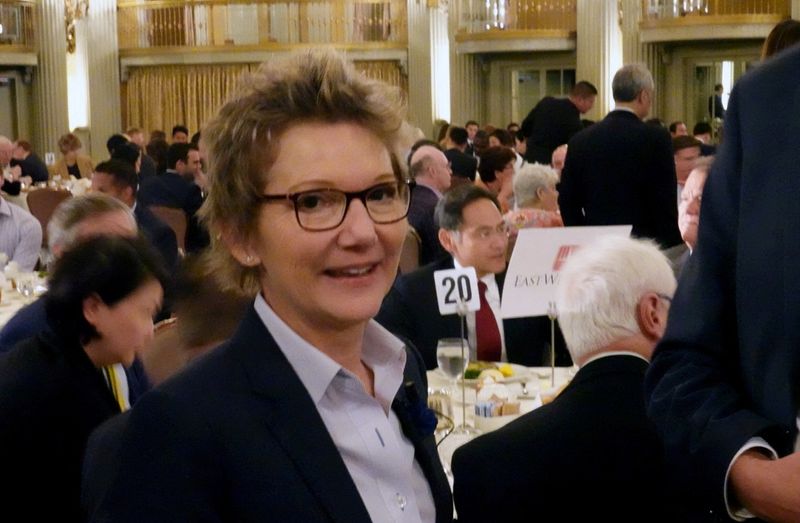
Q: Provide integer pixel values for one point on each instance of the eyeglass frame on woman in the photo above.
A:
(349, 197)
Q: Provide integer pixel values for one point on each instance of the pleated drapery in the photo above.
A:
(159, 97)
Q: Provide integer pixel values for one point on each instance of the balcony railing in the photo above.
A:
(260, 23)
(517, 16)
(733, 10)
(17, 21)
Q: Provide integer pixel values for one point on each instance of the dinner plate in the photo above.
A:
(521, 373)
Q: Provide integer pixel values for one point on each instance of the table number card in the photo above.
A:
(454, 286)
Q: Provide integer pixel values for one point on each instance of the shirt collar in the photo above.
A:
(488, 279)
(5, 207)
(432, 188)
(628, 109)
(615, 353)
(382, 352)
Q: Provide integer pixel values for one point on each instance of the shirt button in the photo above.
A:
(401, 501)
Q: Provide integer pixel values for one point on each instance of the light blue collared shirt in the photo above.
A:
(365, 429)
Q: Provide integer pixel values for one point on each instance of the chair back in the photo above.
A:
(42, 203)
(409, 255)
(176, 219)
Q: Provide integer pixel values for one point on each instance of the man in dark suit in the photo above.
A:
(620, 171)
(594, 439)
(553, 121)
(464, 165)
(472, 230)
(176, 188)
(715, 107)
(33, 168)
(116, 178)
(723, 387)
(431, 172)
(272, 434)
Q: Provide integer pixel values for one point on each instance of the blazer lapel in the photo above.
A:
(291, 416)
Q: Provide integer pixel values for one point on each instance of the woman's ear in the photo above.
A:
(238, 246)
(93, 305)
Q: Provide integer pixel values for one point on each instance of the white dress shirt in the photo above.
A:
(20, 235)
(365, 429)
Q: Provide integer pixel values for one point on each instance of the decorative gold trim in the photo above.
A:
(513, 34)
(270, 47)
(17, 49)
(160, 4)
(705, 20)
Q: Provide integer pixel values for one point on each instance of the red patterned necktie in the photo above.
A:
(487, 334)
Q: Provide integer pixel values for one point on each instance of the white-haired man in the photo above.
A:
(594, 439)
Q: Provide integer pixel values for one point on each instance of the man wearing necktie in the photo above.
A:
(472, 230)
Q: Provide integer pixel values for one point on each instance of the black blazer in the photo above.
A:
(159, 234)
(728, 367)
(51, 398)
(172, 190)
(552, 122)
(621, 171)
(593, 440)
(420, 216)
(236, 437)
(411, 311)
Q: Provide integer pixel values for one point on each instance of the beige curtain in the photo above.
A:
(160, 97)
(163, 96)
(386, 70)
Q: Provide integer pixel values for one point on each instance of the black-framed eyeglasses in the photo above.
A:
(325, 209)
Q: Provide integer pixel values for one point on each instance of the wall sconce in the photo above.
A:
(73, 10)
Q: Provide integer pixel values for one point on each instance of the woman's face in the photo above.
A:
(548, 198)
(322, 280)
(126, 327)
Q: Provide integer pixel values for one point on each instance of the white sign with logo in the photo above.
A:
(539, 254)
(454, 287)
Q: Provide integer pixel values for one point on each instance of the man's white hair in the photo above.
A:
(599, 289)
(530, 178)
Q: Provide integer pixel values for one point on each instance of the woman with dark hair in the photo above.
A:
(496, 170)
(57, 387)
(157, 150)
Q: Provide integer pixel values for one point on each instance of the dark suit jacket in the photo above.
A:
(236, 437)
(594, 441)
(621, 171)
(172, 190)
(411, 311)
(728, 367)
(420, 216)
(32, 166)
(462, 164)
(159, 234)
(552, 122)
(51, 398)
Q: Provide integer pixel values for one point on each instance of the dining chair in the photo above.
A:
(42, 203)
(409, 255)
(176, 219)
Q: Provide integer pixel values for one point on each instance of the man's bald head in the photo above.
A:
(429, 166)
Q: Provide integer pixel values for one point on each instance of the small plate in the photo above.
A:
(521, 373)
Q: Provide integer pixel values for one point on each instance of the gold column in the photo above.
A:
(105, 116)
(50, 78)
(467, 78)
(599, 49)
(420, 88)
(796, 9)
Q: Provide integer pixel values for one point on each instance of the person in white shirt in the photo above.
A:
(20, 235)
